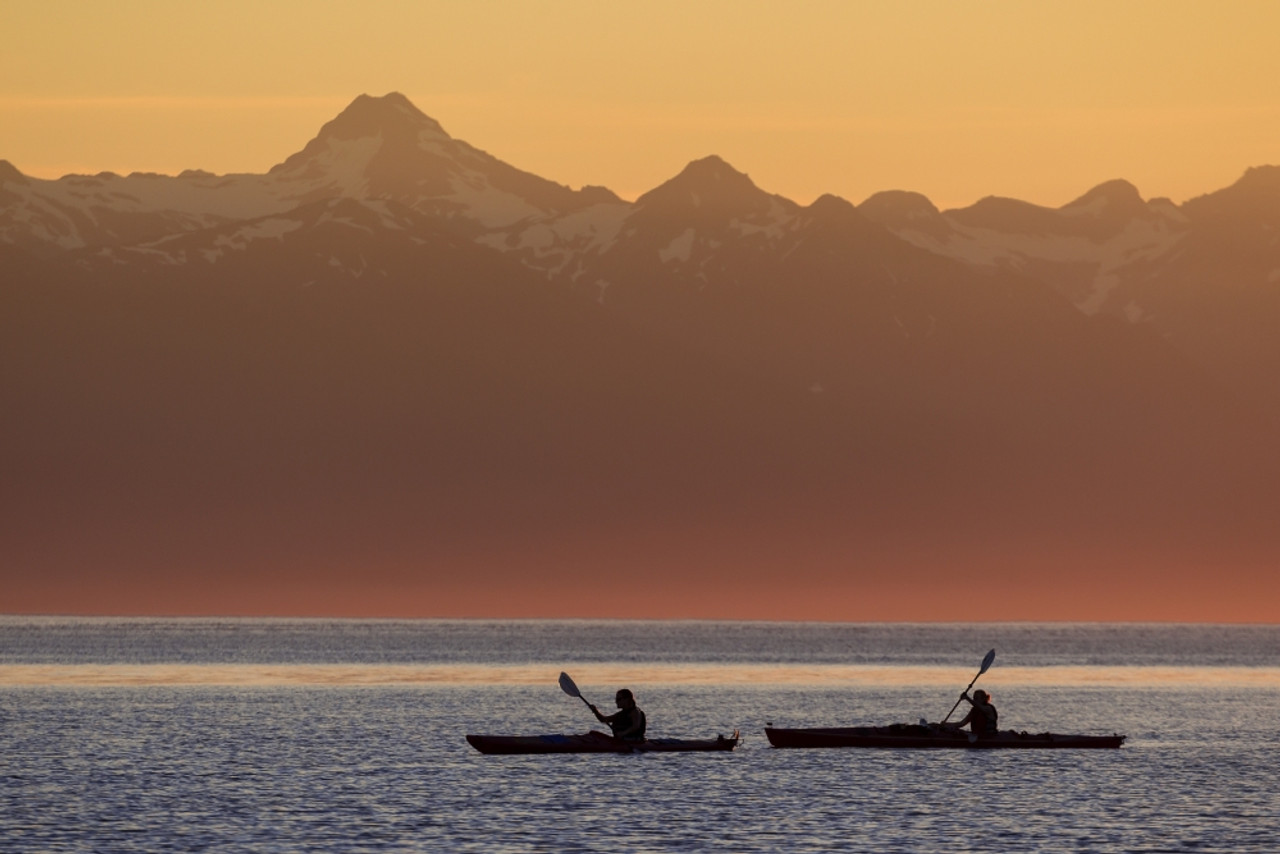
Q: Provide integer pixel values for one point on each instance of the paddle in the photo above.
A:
(986, 664)
(567, 686)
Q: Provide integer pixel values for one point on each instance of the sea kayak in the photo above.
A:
(932, 736)
(596, 742)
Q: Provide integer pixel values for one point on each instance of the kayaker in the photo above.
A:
(983, 719)
(628, 722)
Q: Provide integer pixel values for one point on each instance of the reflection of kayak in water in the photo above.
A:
(926, 735)
(596, 742)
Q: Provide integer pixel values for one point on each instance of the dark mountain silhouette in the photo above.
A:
(397, 375)
(709, 191)
(899, 209)
(1007, 216)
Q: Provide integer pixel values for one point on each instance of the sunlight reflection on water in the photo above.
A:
(599, 674)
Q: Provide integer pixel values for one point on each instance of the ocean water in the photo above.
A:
(347, 736)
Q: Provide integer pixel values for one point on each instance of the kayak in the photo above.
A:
(922, 735)
(596, 742)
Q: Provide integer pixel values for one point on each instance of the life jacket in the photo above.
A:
(625, 722)
(987, 720)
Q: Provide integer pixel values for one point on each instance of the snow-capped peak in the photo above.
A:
(391, 120)
(386, 148)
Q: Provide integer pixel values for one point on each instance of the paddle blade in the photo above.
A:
(986, 662)
(567, 686)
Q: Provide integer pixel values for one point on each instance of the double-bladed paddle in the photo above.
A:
(986, 664)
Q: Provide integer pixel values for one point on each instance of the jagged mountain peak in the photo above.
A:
(831, 205)
(836, 215)
(385, 147)
(999, 213)
(710, 187)
(390, 120)
(1261, 177)
(595, 195)
(1255, 195)
(369, 115)
(1111, 198)
(708, 176)
(1258, 182)
(712, 168)
(10, 173)
(905, 211)
(898, 207)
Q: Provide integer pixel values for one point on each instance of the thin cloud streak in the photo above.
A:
(171, 102)
(781, 117)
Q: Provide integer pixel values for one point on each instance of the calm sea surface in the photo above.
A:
(347, 736)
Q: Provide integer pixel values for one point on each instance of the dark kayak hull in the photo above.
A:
(919, 736)
(595, 742)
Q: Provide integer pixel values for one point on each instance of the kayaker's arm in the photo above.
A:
(982, 717)
(967, 718)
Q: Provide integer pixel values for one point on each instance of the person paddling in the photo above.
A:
(983, 719)
(628, 722)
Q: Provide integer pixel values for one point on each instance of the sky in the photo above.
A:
(1037, 101)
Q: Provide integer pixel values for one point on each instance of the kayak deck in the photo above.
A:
(933, 736)
(595, 742)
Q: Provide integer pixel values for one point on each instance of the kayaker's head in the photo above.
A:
(624, 698)
(981, 696)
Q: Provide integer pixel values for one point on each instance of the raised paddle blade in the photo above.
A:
(567, 686)
(986, 663)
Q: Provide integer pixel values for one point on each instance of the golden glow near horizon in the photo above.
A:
(717, 673)
(1038, 101)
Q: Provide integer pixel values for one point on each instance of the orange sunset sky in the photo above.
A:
(1038, 101)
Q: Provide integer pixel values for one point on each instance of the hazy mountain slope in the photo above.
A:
(399, 368)
(1218, 297)
(1202, 274)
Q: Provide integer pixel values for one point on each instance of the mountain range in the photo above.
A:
(399, 374)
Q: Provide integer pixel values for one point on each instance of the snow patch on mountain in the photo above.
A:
(344, 221)
(553, 244)
(474, 197)
(267, 229)
(38, 219)
(773, 223)
(678, 249)
(79, 210)
(336, 167)
(1141, 239)
(1093, 208)
(200, 195)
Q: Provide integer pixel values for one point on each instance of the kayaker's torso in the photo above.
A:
(983, 718)
(628, 723)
